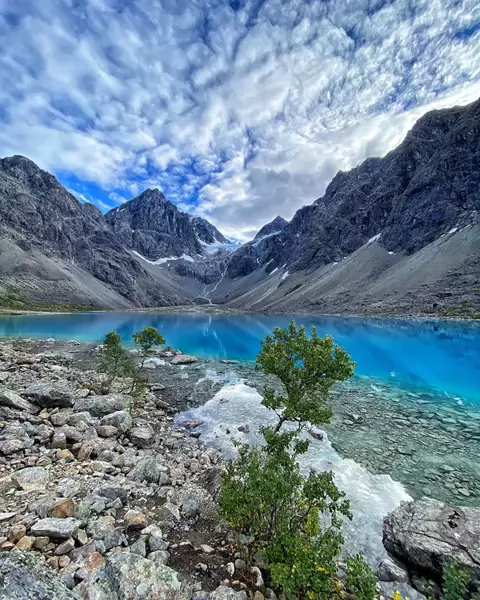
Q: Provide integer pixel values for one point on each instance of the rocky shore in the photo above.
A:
(104, 500)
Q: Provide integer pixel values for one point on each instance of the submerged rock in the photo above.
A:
(24, 577)
(184, 359)
(427, 535)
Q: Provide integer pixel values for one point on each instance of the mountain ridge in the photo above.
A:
(397, 219)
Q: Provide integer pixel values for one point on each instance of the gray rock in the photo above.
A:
(107, 431)
(12, 446)
(146, 469)
(143, 437)
(13, 400)
(226, 593)
(100, 527)
(128, 576)
(112, 492)
(24, 577)
(190, 506)
(153, 535)
(159, 556)
(139, 547)
(56, 528)
(121, 419)
(427, 535)
(32, 478)
(114, 538)
(50, 395)
(184, 359)
(100, 406)
(59, 440)
(389, 570)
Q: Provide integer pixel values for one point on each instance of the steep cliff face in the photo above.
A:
(58, 250)
(276, 226)
(154, 227)
(206, 232)
(406, 200)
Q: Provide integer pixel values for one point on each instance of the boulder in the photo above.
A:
(225, 593)
(146, 469)
(128, 576)
(24, 577)
(141, 436)
(121, 419)
(56, 528)
(11, 446)
(62, 509)
(389, 570)
(32, 479)
(13, 400)
(427, 535)
(99, 406)
(183, 359)
(50, 395)
(112, 492)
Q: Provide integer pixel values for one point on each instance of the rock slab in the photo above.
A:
(24, 577)
(427, 535)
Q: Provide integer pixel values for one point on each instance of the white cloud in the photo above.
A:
(248, 113)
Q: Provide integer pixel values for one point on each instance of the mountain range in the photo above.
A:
(395, 235)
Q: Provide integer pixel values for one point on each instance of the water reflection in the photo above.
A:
(444, 356)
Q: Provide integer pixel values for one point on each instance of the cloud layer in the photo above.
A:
(239, 110)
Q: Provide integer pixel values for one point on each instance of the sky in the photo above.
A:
(238, 110)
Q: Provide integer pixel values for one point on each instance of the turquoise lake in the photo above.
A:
(438, 355)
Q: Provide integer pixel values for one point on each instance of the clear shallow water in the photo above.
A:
(443, 356)
(371, 496)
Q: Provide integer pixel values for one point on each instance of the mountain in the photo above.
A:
(207, 233)
(276, 226)
(56, 250)
(399, 205)
(396, 235)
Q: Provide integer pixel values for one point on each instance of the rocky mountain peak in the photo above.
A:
(206, 232)
(277, 224)
(24, 170)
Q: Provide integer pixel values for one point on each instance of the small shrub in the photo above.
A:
(455, 582)
(294, 520)
(147, 338)
(360, 579)
(116, 363)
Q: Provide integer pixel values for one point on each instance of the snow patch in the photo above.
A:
(374, 238)
(161, 261)
(264, 237)
(274, 270)
(453, 230)
(285, 275)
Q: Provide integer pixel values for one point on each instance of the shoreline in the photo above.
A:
(219, 310)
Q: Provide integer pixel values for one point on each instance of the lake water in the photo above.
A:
(438, 355)
(407, 426)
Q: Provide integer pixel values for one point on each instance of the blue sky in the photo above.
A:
(238, 110)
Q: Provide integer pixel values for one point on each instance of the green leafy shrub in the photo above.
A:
(360, 579)
(455, 582)
(294, 520)
(147, 338)
(117, 363)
